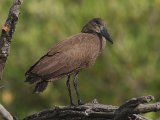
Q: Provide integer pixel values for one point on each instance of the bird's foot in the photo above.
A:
(80, 102)
(72, 104)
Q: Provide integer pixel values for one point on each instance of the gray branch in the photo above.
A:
(5, 114)
(7, 32)
(130, 110)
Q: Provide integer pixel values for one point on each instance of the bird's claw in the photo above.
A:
(80, 102)
(72, 104)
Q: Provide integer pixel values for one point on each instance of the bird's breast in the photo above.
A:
(95, 50)
(85, 52)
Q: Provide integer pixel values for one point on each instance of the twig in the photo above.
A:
(7, 32)
(5, 114)
(137, 117)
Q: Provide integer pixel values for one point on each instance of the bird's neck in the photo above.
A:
(102, 42)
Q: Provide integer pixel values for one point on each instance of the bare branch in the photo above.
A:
(130, 110)
(7, 32)
(135, 106)
(5, 114)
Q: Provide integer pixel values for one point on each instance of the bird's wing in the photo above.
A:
(67, 56)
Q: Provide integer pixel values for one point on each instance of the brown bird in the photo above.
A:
(69, 57)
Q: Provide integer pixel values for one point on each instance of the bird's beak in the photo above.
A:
(105, 34)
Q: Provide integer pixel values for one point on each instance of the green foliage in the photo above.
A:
(128, 68)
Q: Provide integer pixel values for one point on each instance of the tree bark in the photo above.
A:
(130, 110)
(7, 32)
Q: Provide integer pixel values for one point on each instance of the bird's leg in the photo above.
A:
(77, 91)
(69, 90)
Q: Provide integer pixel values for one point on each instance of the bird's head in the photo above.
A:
(97, 26)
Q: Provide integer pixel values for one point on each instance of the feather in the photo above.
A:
(40, 86)
(72, 54)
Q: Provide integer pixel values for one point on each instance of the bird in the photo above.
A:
(69, 56)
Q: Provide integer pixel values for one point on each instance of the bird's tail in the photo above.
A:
(40, 84)
(32, 78)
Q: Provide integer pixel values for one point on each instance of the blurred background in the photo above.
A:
(128, 68)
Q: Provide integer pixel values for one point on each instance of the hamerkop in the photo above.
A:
(69, 57)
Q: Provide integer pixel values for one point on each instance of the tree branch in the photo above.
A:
(7, 32)
(130, 110)
(5, 114)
